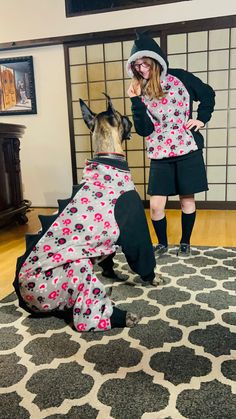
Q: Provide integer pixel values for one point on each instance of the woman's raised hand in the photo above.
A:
(134, 89)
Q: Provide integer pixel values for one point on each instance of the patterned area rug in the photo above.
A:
(178, 362)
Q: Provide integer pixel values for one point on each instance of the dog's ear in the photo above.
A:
(127, 125)
(88, 115)
(110, 108)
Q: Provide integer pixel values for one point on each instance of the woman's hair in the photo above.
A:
(152, 86)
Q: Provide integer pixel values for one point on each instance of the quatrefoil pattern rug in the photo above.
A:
(178, 362)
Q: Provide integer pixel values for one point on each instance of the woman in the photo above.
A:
(162, 100)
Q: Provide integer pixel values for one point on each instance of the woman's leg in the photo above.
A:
(157, 210)
(188, 217)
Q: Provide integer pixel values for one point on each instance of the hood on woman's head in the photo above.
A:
(144, 46)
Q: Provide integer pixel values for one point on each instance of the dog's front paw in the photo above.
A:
(132, 319)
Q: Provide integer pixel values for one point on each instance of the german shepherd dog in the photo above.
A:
(56, 272)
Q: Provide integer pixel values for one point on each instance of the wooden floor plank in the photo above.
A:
(212, 228)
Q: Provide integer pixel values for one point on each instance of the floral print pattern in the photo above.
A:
(58, 273)
(169, 116)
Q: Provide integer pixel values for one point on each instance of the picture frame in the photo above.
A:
(85, 7)
(17, 87)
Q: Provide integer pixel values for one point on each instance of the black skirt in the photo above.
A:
(184, 175)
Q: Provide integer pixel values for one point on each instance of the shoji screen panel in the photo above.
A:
(101, 68)
(211, 55)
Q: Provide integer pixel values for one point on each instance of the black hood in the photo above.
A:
(144, 46)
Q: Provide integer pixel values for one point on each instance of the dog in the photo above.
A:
(56, 272)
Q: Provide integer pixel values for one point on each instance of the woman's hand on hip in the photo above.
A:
(134, 89)
(194, 123)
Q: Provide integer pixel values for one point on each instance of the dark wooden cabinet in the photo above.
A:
(12, 205)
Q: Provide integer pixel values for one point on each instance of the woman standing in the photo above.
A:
(162, 100)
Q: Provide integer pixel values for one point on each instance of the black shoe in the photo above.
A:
(184, 250)
(113, 275)
(160, 249)
(153, 283)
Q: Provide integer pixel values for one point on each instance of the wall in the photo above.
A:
(46, 18)
(46, 146)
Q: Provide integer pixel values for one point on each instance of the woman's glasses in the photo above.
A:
(144, 65)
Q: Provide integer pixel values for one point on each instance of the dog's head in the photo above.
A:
(109, 128)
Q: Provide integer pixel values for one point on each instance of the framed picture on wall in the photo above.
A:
(17, 88)
(84, 7)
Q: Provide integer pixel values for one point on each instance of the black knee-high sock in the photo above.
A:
(187, 221)
(160, 228)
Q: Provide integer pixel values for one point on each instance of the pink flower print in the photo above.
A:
(84, 200)
(70, 273)
(187, 113)
(127, 178)
(91, 250)
(98, 217)
(164, 101)
(55, 280)
(176, 82)
(46, 248)
(107, 242)
(159, 147)
(75, 279)
(95, 176)
(158, 131)
(86, 292)
(53, 295)
(171, 154)
(64, 286)
(29, 297)
(43, 286)
(71, 249)
(71, 301)
(89, 302)
(170, 78)
(57, 257)
(107, 224)
(98, 183)
(181, 151)
(66, 222)
(148, 138)
(102, 324)
(181, 142)
(180, 103)
(179, 121)
(45, 306)
(168, 141)
(66, 231)
(80, 287)
(154, 104)
(81, 326)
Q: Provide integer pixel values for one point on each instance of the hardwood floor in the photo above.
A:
(212, 228)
